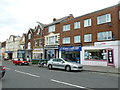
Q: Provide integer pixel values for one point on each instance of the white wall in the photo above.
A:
(101, 63)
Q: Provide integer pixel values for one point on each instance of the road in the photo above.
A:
(36, 77)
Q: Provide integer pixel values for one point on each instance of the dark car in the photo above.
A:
(2, 71)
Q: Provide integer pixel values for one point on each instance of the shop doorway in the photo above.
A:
(9, 55)
(110, 57)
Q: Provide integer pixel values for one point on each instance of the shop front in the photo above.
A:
(28, 54)
(101, 54)
(51, 51)
(8, 54)
(71, 52)
(21, 54)
(38, 53)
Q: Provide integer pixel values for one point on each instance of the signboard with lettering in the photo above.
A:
(8, 51)
(110, 57)
(70, 48)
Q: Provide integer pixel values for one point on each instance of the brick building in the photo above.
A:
(38, 40)
(93, 38)
(29, 43)
(52, 37)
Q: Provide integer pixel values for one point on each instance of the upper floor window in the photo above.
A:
(104, 19)
(52, 40)
(77, 25)
(87, 22)
(36, 42)
(38, 32)
(40, 42)
(66, 40)
(105, 35)
(87, 37)
(23, 39)
(66, 27)
(77, 39)
(51, 28)
(29, 36)
(29, 45)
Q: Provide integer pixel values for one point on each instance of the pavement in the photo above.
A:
(103, 69)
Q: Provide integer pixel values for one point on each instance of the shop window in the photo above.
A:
(95, 55)
(71, 55)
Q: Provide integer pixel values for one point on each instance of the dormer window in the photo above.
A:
(29, 36)
(38, 32)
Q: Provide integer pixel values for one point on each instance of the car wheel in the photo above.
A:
(68, 68)
(50, 66)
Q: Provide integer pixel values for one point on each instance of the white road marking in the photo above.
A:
(27, 73)
(70, 84)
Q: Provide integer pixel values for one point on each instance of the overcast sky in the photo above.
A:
(17, 16)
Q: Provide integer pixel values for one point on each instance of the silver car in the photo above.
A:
(66, 64)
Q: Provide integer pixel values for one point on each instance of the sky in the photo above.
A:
(17, 16)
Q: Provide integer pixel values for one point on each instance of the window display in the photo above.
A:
(95, 55)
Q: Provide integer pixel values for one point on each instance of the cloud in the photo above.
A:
(17, 16)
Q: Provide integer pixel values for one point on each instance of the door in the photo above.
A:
(110, 57)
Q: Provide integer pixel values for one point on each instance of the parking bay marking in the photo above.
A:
(27, 73)
(70, 84)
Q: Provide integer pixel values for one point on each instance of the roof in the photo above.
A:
(58, 20)
(93, 12)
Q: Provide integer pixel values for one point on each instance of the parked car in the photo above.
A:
(66, 64)
(20, 62)
(2, 71)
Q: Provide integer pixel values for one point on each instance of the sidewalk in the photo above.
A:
(107, 69)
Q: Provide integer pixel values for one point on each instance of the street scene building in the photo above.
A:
(12, 45)
(91, 39)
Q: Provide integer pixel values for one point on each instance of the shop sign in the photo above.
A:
(108, 43)
(51, 47)
(41, 49)
(8, 51)
(21, 51)
(70, 48)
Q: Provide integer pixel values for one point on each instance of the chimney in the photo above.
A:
(54, 19)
